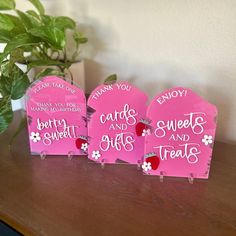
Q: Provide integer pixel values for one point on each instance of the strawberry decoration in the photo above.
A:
(153, 159)
(142, 126)
(81, 141)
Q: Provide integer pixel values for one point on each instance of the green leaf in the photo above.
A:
(7, 4)
(25, 19)
(64, 22)
(46, 19)
(28, 20)
(35, 22)
(39, 6)
(5, 68)
(5, 36)
(16, 27)
(2, 56)
(20, 41)
(15, 19)
(19, 85)
(51, 35)
(49, 71)
(5, 86)
(6, 113)
(111, 79)
(17, 55)
(33, 14)
(6, 23)
(19, 26)
(13, 82)
(83, 40)
(79, 38)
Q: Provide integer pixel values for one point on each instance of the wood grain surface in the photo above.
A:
(57, 196)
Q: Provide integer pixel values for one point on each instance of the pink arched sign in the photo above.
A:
(183, 130)
(56, 112)
(116, 110)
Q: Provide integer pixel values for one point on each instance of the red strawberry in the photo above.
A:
(140, 126)
(153, 159)
(80, 140)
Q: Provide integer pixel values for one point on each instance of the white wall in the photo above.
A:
(158, 44)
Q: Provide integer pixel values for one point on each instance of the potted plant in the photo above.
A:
(37, 40)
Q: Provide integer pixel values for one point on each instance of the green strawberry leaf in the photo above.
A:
(111, 79)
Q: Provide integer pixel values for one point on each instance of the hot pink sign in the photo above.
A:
(56, 113)
(182, 137)
(117, 111)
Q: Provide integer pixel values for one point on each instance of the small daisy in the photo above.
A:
(146, 132)
(207, 139)
(35, 137)
(84, 146)
(96, 155)
(146, 166)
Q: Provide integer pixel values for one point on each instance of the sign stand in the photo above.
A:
(161, 177)
(115, 112)
(56, 113)
(191, 178)
(181, 136)
(70, 155)
(43, 155)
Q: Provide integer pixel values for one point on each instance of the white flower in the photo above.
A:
(146, 166)
(146, 132)
(35, 137)
(96, 155)
(84, 146)
(207, 139)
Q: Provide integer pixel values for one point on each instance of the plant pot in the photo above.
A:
(19, 104)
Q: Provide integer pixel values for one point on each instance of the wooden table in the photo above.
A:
(57, 196)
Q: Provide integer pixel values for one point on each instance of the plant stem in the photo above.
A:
(43, 52)
(65, 56)
(71, 76)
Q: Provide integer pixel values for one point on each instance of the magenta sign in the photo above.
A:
(182, 137)
(56, 112)
(114, 125)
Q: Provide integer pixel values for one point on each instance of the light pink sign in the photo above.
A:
(182, 137)
(56, 113)
(118, 110)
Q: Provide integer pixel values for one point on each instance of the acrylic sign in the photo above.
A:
(114, 125)
(56, 112)
(182, 137)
